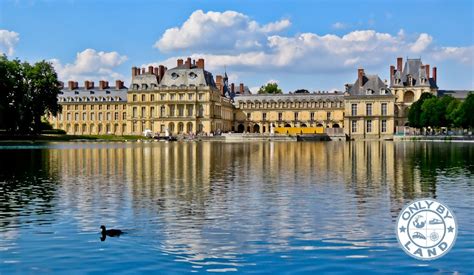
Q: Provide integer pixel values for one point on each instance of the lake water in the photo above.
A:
(227, 207)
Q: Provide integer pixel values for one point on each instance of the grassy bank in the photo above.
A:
(64, 137)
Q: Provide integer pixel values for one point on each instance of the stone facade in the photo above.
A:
(369, 108)
(188, 99)
(91, 110)
(181, 100)
(258, 113)
(407, 83)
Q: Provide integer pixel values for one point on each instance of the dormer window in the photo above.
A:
(369, 92)
(144, 86)
(410, 80)
(192, 75)
(174, 75)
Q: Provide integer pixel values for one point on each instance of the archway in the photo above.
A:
(287, 125)
(319, 125)
(189, 127)
(180, 127)
(256, 128)
(335, 125)
(171, 127)
(303, 125)
(240, 128)
(409, 96)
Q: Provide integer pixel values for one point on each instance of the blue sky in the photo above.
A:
(316, 45)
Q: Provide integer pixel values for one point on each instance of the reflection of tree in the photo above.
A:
(27, 184)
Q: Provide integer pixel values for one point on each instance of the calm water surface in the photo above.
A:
(227, 207)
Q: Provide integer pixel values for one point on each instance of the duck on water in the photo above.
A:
(109, 232)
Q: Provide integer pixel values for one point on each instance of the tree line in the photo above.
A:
(27, 93)
(444, 111)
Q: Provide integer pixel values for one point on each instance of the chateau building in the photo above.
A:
(408, 83)
(289, 113)
(369, 108)
(184, 99)
(91, 110)
(187, 99)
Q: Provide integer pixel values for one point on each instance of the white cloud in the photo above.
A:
(218, 30)
(234, 40)
(90, 65)
(8, 41)
(423, 41)
(339, 26)
(462, 54)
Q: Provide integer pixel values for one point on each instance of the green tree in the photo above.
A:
(430, 113)
(270, 88)
(414, 113)
(27, 93)
(452, 113)
(466, 112)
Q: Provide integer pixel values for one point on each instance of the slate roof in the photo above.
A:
(176, 77)
(82, 95)
(459, 94)
(372, 85)
(290, 97)
(413, 68)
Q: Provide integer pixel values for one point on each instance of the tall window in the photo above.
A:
(143, 97)
(143, 111)
(296, 115)
(134, 112)
(384, 109)
(108, 116)
(152, 111)
(368, 109)
(328, 115)
(190, 110)
(264, 116)
(354, 126)
(171, 110)
(312, 116)
(162, 111)
(100, 116)
(369, 126)
(249, 115)
(116, 116)
(84, 116)
(280, 116)
(384, 126)
(124, 115)
(152, 97)
(354, 109)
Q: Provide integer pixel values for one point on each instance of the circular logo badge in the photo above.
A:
(426, 229)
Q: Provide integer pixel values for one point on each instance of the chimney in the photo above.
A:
(155, 71)
(134, 71)
(200, 63)
(435, 71)
(71, 84)
(118, 84)
(188, 63)
(427, 68)
(392, 72)
(102, 85)
(87, 84)
(161, 72)
(360, 77)
(150, 69)
(76, 84)
(179, 62)
(143, 71)
(399, 64)
(241, 88)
